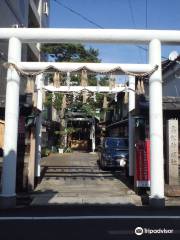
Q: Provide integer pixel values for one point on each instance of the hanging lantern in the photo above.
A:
(84, 78)
(105, 102)
(126, 96)
(56, 79)
(30, 85)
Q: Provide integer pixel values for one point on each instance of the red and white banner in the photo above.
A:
(143, 164)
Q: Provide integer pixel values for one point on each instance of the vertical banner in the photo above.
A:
(143, 164)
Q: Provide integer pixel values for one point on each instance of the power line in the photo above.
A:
(93, 22)
(146, 14)
(78, 14)
(132, 13)
(134, 23)
(87, 19)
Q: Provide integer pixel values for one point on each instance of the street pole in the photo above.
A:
(131, 125)
(156, 127)
(8, 195)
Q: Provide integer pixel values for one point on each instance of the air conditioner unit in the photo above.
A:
(46, 8)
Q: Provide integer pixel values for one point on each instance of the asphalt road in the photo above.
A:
(86, 222)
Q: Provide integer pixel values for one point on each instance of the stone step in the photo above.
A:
(115, 200)
(85, 193)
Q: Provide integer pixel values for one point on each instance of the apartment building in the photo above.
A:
(23, 14)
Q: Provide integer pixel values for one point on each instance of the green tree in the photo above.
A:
(66, 52)
(104, 81)
(54, 100)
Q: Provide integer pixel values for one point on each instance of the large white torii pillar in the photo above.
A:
(8, 195)
(156, 127)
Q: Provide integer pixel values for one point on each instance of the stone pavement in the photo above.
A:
(75, 178)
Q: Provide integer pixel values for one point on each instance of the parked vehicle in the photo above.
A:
(113, 153)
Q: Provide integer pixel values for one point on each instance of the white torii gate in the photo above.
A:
(68, 67)
(24, 35)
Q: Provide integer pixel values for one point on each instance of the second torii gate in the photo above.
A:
(35, 67)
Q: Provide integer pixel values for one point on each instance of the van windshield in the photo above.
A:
(116, 143)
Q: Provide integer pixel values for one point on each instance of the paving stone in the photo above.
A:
(76, 178)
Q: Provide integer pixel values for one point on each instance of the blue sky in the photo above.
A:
(161, 14)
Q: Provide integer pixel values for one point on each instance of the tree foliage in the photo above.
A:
(54, 100)
(66, 52)
(90, 107)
